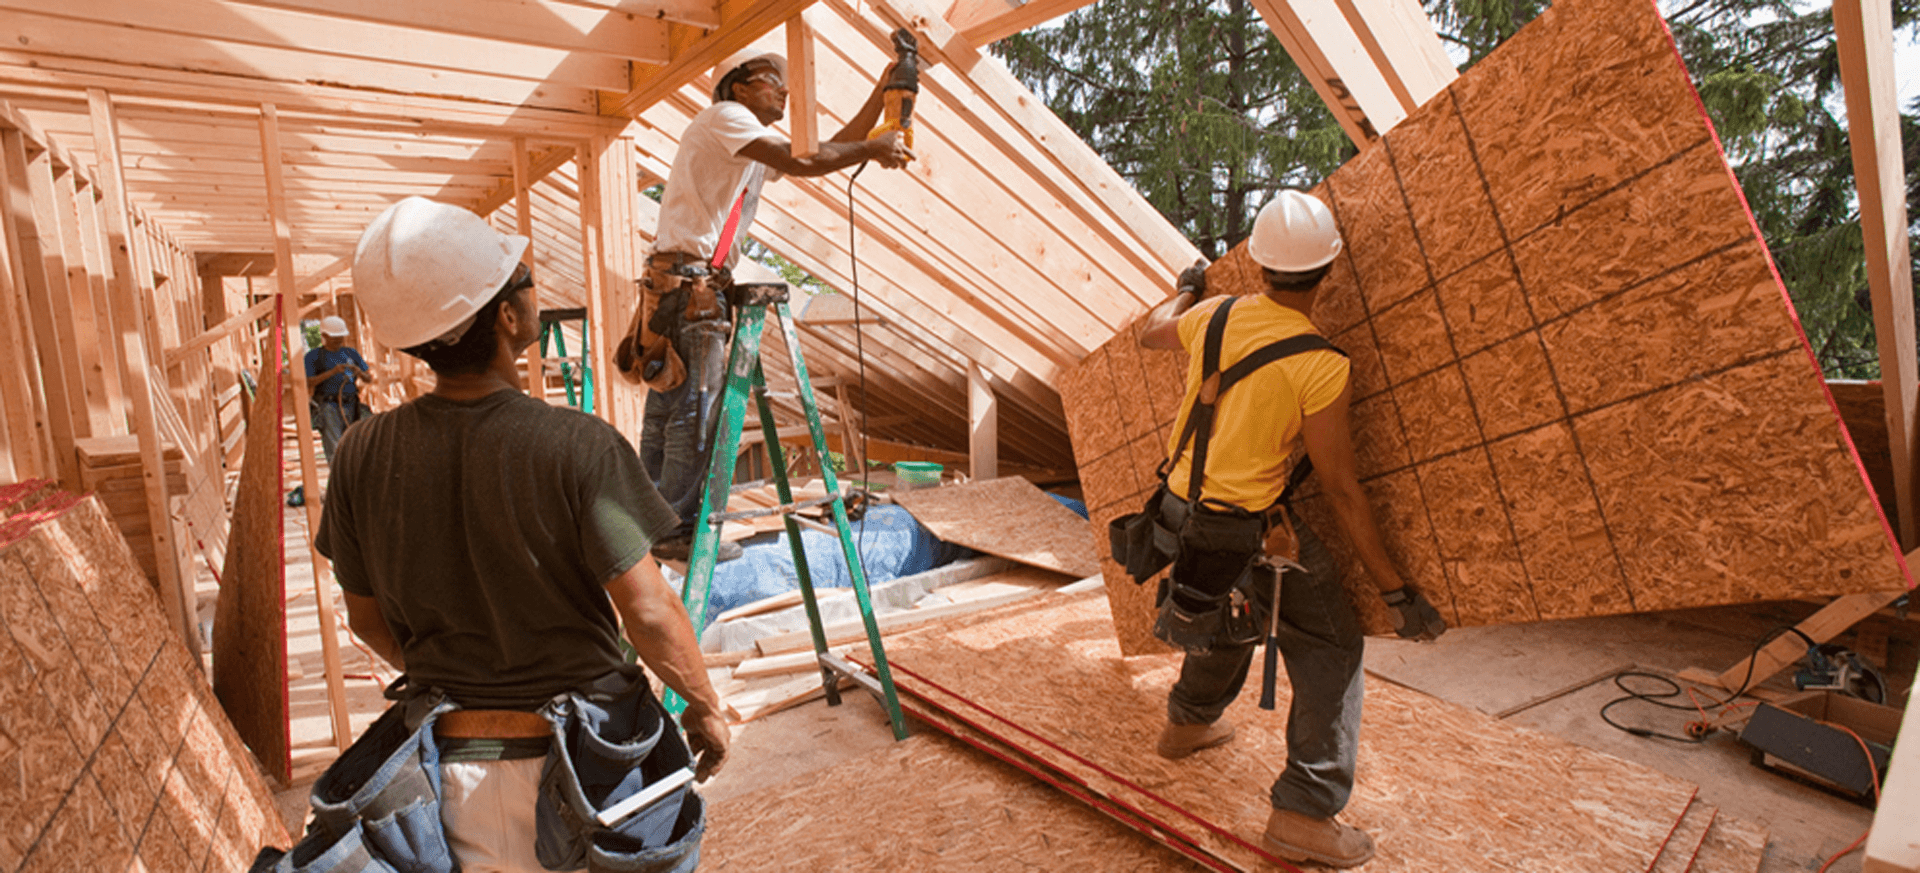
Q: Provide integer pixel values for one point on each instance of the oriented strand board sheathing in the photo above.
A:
(928, 803)
(112, 747)
(1731, 846)
(250, 625)
(1009, 518)
(1441, 787)
(1577, 387)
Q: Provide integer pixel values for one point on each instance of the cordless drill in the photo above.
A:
(901, 88)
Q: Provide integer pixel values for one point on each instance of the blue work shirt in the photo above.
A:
(341, 385)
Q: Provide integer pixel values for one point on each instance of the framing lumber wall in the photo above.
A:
(1579, 387)
(115, 755)
(250, 624)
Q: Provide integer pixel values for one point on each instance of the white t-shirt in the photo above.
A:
(708, 175)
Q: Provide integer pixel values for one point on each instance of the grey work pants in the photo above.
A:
(1321, 646)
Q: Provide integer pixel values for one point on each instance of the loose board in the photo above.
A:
(1008, 517)
(927, 803)
(114, 754)
(1578, 385)
(250, 624)
(1441, 787)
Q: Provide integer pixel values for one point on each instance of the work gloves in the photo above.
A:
(1412, 616)
(1193, 280)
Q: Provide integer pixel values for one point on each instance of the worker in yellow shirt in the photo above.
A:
(1259, 379)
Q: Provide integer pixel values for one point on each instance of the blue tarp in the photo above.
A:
(891, 545)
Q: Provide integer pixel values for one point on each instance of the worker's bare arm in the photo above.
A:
(777, 153)
(658, 628)
(1329, 438)
(1163, 322)
(370, 625)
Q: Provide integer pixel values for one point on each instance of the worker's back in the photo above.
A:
(487, 530)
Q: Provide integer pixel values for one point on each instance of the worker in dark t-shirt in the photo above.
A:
(489, 544)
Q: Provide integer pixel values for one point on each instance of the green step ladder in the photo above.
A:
(550, 328)
(744, 376)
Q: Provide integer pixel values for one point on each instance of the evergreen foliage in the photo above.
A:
(1196, 103)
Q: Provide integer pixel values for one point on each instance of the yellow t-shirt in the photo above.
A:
(1258, 419)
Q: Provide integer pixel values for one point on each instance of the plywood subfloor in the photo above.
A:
(928, 803)
(1008, 517)
(114, 754)
(1441, 787)
(1577, 386)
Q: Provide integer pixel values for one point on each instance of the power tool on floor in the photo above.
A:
(902, 87)
(1829, 667)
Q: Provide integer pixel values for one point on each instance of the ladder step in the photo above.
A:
(782, 509)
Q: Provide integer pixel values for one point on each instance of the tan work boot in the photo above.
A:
(1181, 740)
(1297, 837)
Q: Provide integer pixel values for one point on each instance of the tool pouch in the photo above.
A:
(1141, 542)
(1208, 600)
(609, 746)
(378, 806)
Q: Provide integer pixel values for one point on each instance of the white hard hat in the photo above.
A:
(1294, 233)
(423, 269)
(333, 325)
(740, 59)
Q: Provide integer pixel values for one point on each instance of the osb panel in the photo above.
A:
(1684, 843)
(1732, 846)
(250, 626)
(928, 803)
(1569, 350)
(1009, 518)
(107, 736)
(1440, 787)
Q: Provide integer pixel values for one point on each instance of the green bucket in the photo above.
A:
(916, 474)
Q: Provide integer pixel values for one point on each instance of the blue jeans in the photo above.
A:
(1321, 645)
(669, 450)
(331, 417)
(670, 437)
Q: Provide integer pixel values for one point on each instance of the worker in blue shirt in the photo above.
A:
(333, 371)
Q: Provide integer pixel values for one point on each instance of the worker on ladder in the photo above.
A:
(1224, 498)
(677, 342)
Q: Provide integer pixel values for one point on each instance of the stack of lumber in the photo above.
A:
(110, 468)
(781, 670)
(1441, 787)
(114, 754)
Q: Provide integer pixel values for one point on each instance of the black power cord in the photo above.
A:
(1697, 731)
(859, 356)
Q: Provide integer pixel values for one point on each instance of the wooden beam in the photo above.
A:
(1831, 621)
(523, 219)
(23, 450)
(1371, 61)
(176, 591)
(303, 424)
(1893, 846)
(622, 29)
(86, 377)
(221, 331)
(737, 31)
(801, 123)
(29, 182)
(538, 168)
(983, 425)
(224, 94)
(1863, 31)
(980, 22)
(113, 367)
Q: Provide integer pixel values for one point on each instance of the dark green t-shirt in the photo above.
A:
(487, 531)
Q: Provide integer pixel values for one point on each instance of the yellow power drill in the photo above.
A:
(901, 88)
